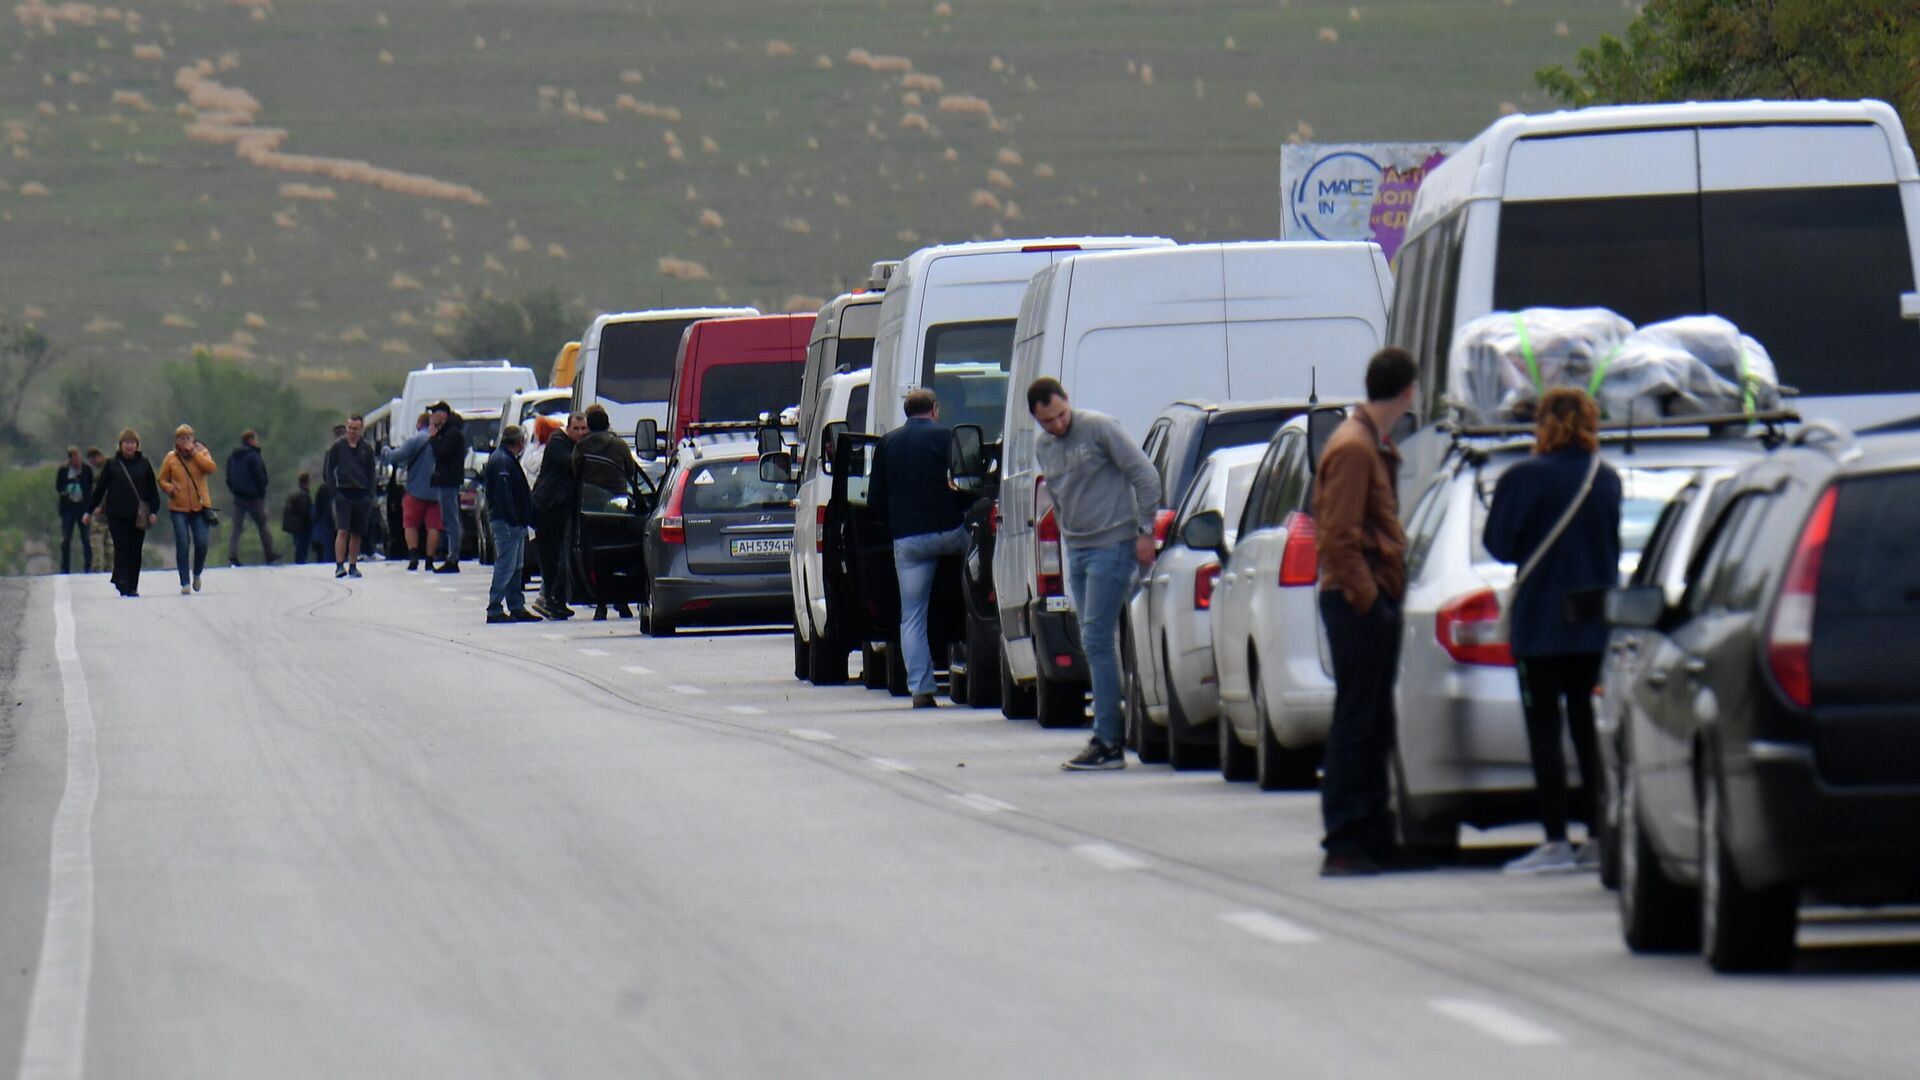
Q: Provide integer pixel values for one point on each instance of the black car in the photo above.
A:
(718, 541)
(1770, 750)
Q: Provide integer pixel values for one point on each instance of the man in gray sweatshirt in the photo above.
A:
(1105, 493)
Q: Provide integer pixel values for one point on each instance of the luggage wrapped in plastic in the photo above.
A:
(1699, 365)
(1502, 362)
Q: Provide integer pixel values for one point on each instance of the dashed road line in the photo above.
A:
(448, 588)
(595, 652)
(986, 804)
(554, 637)
(1269, 927)
(811, 734)
(1503, 1024)
(636, 669)
(1109, 857)
(889, 765)
(682, 689)
(746, 710)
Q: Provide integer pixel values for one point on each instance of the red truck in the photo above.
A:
(736, 369)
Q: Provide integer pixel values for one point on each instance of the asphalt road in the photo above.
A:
(300, 827)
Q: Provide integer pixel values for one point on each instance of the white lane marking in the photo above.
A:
(1270, 927)
(448, 588)
(746, 710)
(889, 765)
(636, 669)
(810, 734)
(56, 1037)
(1109, 857)
(986, 804)
(595, 652)
(686, 689)
(554, 637)
(1491, 1019)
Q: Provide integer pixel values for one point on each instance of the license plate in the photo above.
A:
(1059, 603)
(779, 545)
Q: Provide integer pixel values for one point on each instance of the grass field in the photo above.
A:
(758, 147)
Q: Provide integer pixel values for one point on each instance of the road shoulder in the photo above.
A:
(33, 734)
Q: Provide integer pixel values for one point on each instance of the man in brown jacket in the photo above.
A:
(1363, 580)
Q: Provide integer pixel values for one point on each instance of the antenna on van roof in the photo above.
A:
(1313, 386)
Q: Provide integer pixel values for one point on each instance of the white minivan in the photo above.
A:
(1129, 333)
(626, 362)
(949, 309)
(1795, 220)
(818, 656)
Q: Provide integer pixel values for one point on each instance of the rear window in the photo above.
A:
(636, 359)
(1868, 608)
(853, 354)
(744, 391)
(733, 485)
(1644, 495)
(966, 365)
(1240, 431)
(857, 409)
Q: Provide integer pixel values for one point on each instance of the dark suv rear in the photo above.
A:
(1771, 742)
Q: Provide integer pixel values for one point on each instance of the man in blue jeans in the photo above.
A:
(1105, 493)
(923, 514)
(510, 514)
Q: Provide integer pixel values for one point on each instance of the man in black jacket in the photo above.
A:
(923, 514)
(247, 481)
(603, 460)
(552, 514)
(449, 474)
(510, 510)
(73, 485)
(348, 469)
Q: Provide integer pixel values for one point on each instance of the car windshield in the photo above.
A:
(733, 485)
(635, 361)
(744, 391)
(1644, 492)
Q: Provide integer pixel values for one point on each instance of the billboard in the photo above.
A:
(1353, 191)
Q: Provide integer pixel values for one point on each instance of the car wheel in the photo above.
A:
(873, 668)
(827, 662)
(896, 670)
(1016, 701)
(1237, 759)
(1438, 837)
(959, 672)
(1741, 929)
(652, 622)
(802, 656)
(1059, 704)
(1276, 767)
(1146, 738)
(1657, 915)
(983, 667)
(1185, 749)
(1607, 832)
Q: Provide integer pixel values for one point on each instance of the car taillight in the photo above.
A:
(1468, 627)
(1790, 628)
(1048, 573)
(673, 525)
(820, 528)
(1031, 248)
(1162, 522)
(993, 521)
(1203, 583)
(1300, 559)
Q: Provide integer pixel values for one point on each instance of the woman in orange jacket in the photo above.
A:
(183, 476)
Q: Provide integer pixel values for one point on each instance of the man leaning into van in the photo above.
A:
(923, 513)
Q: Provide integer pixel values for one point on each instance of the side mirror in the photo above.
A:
(646, 439)
(967, 457)
(770, 440)
(829, 437)
(776, 468)
(1205, 531)
(1321, 424)
(1640, 606)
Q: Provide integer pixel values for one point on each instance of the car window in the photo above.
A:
(1662, 539)
(1289, 492)
(1251, 517)
(1424, 526)
(1156, 448)
(1707, 575)
(1196, 499)
(732, 485)
(1239, 482)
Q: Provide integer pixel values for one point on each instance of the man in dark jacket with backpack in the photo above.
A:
(553, 512)
(510, 510)
(247, 481)
(449, 474)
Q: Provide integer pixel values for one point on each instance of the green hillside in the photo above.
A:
(635, 153)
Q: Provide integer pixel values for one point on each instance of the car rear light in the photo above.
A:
(1049, 575)
(1051, 247)
(1468, 627)
(993, 521)
(1790, 628)
(820, 528)
(1162, 522)
(673, 524)
(1300, 559)
(1203, 583)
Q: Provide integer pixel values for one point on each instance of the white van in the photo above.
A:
(842, 397)
(1796, 220)
(1130, 333)
(953, 306)
(626, 362)
(842, 340)
(470, 386)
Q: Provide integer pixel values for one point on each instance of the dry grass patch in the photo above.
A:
(682, 269)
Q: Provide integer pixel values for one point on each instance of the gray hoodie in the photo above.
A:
(1104, 489)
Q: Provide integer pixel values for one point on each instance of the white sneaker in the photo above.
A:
(1553, 857)
(186, 590)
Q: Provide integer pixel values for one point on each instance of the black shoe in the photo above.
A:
(558, 612)
(498, 617)
(925, 701)
(523, 615)
(600, 613)
(625, 611)
(234, 563)
(1097, 755)
(354, 570)
(413, 563)
(447, 568)
(339, 570)
(271, 559)
(1348, 864)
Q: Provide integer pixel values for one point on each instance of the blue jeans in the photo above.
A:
(450, 520)
(1098, 580)
(915, 559)
(509, 545)
(190, 526)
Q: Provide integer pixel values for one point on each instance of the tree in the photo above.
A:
(25, 355)
(1693, 50)
(528, 330)
(83, 410)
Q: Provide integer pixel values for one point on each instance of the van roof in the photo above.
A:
(787, 331)
(915, 264)
(1478, 169)
(666, 313)
(1263, 272)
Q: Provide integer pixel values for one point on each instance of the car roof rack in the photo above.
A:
(1774, 421)
(1835, 438)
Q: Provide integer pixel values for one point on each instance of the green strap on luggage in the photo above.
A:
(1600, 371)
(1526, 350)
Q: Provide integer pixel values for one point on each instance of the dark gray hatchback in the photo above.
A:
(717, 543)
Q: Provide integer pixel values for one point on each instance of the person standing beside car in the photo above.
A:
(552, 515)
(348, 470)
(1363, 581)
(449, 440)
(247, 481)
(183, 476)
(126, 489)
(420, 502)
(602, 445)
(72, 483)
(509, 514)
(923, 514)
(1557, 515)
(296, 519)
(1105, 494)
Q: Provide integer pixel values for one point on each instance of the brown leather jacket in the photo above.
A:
(1356, 516)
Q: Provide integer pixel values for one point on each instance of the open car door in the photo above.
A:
(612, 500)
(863, 596)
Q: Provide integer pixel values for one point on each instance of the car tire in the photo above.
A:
(483, 542)
(1657, 915)
(1435, 837)
(1059, 704)
(653, 623)
(1741, 929)
(873, 668)
(802, 656)
(1238, 761)
(959, 673)
(1016, 701)
(1276, 767)
(827, 662)
(1144, 737)
(897, 670)
(983, 668)
(1607, 832)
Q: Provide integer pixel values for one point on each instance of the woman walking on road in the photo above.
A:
(125, 486)
(1557, 515)
(183, 476)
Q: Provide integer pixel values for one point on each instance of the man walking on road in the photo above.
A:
(420, 505)
(1363, 579)
(348, 470)
(72, 485)
(247, 481)
(510, 510)
(923, 513)
(449, 474)
(1105, 493)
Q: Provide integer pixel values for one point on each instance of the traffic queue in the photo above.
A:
(1675, 346)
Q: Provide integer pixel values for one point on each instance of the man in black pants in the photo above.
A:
(1363, 580)
(553, 513)
(73, 485)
